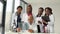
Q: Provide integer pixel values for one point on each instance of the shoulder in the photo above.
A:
(51, 15)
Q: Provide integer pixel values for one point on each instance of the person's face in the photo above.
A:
(28, 9)
(40, 11)
(47, 12)
(19, 10)
(30, 20)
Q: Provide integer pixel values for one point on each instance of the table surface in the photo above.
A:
(26, 33)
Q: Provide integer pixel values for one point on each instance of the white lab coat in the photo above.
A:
(14, 20)
(41, 25)
(25, 17)
(51, 24)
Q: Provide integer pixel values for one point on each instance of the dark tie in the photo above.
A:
(18, 19)
(38, 28)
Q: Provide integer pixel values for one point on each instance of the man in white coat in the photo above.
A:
(16, 20)
(31, 26)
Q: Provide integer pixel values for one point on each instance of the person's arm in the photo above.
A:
(13, 24)
(51, 23)
(51, 20)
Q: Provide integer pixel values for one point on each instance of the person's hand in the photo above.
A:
(18, 29)
(39, 22)
(30, 30)
(44, 22)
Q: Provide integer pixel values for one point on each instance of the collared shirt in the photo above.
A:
(29, 14)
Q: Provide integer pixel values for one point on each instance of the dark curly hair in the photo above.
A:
(49, 9)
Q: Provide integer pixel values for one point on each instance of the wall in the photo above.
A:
(54, 4)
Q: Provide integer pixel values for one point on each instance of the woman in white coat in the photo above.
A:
(39, 19)
(28, 13)
(50, 24)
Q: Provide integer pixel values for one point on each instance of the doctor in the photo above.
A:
(16, 20)
(28, 13)
(50, 26)
(39, 19)
(31, 26)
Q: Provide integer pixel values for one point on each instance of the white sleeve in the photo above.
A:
(51, 20)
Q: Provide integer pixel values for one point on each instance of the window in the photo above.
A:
(8, 14)
(25, 8)
(23, 5)
(1, 10)
(17, 3)
(11, 8)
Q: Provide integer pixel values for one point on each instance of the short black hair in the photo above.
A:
(41, 8)
(49, 9)
(19, 7)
